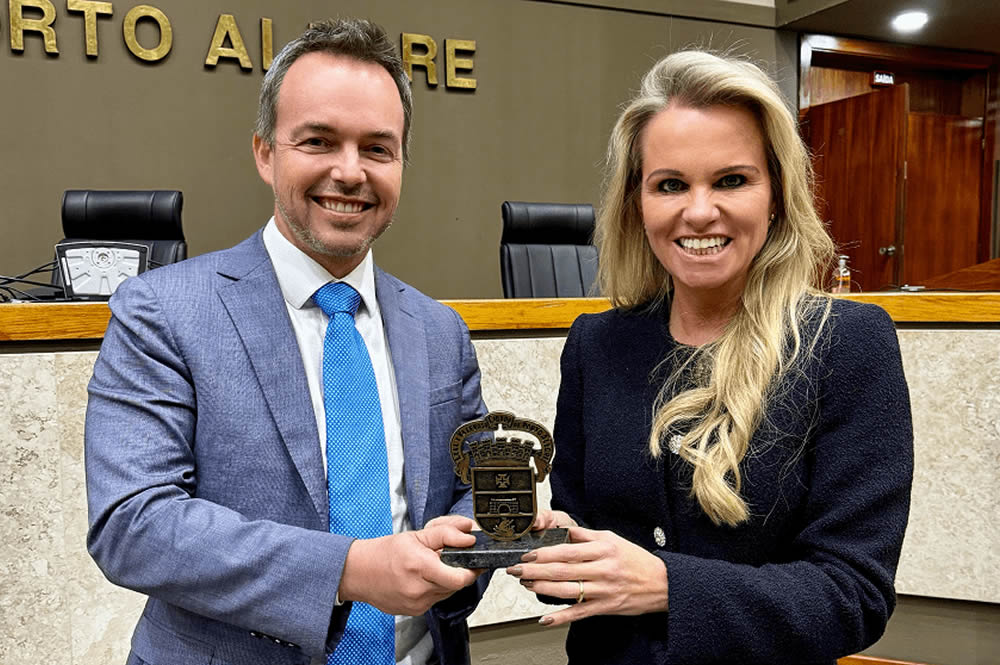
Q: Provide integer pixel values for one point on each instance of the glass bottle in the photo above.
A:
(841, 276)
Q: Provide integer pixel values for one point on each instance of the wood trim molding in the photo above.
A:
(936, 306)
(50, 322)
(916, 56)
(525, 313)
(868, 660)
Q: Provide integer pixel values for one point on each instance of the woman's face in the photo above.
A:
(706, 197)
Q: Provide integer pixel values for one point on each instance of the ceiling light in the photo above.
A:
(909, 21)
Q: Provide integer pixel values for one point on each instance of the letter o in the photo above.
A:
(166, 33)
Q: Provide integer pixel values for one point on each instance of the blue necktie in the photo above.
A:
(356, 464)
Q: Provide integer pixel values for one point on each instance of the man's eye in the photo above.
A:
(672, 185)
(315, 142)
(380, 151)
(732, 180)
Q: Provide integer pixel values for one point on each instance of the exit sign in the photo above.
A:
(883, 78)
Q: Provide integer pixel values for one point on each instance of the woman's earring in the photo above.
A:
(771, 218)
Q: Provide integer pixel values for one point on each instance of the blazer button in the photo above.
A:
(659, 537)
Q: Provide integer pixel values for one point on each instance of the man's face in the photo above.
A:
(336, 166)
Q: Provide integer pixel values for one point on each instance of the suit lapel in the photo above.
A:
(258, 312)
(408, 348)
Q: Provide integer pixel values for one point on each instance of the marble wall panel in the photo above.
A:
(100, 631)
(522, 376)
(34, 608)
(952, 546)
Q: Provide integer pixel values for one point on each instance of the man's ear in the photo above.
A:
(262, 153)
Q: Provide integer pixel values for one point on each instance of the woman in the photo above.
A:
(735, 445)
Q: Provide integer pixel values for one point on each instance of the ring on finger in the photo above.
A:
(579, 596)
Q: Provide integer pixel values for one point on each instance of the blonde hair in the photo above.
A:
(735, 375)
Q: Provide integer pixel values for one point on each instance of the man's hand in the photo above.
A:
(403, 573)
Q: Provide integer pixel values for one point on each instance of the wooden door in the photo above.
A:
(944, 164)
(859, 151)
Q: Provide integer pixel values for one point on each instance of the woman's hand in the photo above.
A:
(607, 573)
(550, 519)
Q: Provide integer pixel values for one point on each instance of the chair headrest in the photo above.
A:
(120, 214)
(547, 223)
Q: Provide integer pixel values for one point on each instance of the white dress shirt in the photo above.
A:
(299, 277)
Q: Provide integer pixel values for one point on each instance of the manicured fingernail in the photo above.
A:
(528, 583)
(530, 556)
(515, 571)
(545, 621)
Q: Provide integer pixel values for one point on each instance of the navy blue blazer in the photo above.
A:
(205, 475)
(809, 578)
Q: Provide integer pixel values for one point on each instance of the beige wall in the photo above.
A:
(550, 78)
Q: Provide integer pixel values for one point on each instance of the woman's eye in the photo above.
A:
(732, 180)
(672, 185)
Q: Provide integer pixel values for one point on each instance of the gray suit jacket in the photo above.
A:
(205, 476)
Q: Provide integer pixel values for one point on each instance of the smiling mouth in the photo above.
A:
(349, 207)
(703, 246)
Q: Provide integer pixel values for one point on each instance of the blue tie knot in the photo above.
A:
(336, 297)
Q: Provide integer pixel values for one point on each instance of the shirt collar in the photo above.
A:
(300, 276)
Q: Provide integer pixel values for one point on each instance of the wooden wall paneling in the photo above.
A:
(888, 198)
(974, 91)
(942, 197)
(805, 66)
(945, 81)
(990, 157)
(857, 146)
(829, 84)
(933, 92)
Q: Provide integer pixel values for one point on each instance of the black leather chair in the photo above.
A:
(146, 217)
(547, 251)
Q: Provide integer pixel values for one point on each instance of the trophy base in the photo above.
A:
(490, 553)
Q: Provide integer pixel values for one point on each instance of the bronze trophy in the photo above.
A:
(498, 466)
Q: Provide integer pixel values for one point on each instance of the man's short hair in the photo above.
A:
(355, 38)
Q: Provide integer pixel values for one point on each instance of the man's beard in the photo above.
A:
(309, 239)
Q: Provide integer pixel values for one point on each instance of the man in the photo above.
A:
(221, 397)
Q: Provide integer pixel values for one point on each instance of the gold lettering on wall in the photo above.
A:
(19, 24)
(226, 28)
(417, 50)
(161, 50)
(266, 44)
(425, 59)
(452, 63)
(90, 9)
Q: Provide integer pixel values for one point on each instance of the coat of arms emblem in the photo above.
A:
(494, 455)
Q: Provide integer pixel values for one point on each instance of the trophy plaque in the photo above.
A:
(489, 455)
